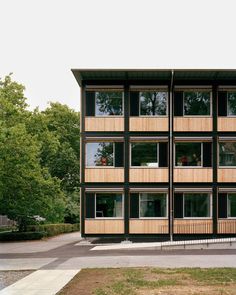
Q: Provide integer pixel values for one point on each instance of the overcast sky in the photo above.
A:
(41, 40)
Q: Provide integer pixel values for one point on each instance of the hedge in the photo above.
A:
(21, 236)
(54, 229)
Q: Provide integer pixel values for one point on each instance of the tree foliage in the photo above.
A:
(39, 159)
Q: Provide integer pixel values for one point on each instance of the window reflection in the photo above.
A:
(109, 103)
(108, 205)
(153, 103)
(227, 152)
(196, 205)
(152, 205)
(100, 154)
(197, 103)
(144, 154)
(188, 154)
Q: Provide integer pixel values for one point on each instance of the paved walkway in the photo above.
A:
(39, 246)
(58, 259)
(41, 282)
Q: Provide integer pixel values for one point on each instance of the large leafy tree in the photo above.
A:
(39, 159)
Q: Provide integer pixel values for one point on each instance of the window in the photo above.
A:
(153, 103)
(197, 205)
(188, 154)
(152, 205)
(231, 205)
(227, 154)
(231, 99)
(108, 103)
(109, 205)
(100, 154)
(197, 103)
(144, 154)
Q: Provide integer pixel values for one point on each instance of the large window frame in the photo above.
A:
(218, 156)
(197, 90)
(210, 206)
(100, 167)
(153, 116)
(227, 101)
(145, 167)
(109, 116)
(109, 218)
(154, 193)
(188, 167)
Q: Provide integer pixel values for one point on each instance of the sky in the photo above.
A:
(41, 40)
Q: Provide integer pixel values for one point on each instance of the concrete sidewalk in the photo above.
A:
(39, 246)
(41, 282)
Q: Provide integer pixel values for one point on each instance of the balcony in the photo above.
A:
(150, 226)
(104, 174)
(191, 226)
(148, 124)
(193, 175)
(104, 226)
(187, 124)
(148, 175)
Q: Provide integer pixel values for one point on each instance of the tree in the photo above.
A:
(26, 189)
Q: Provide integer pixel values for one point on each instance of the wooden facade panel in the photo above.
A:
(104, 174)
(193, 175)
(102, 226)
(148, 226)
(226, 124)
(148, 175)
(148, 124)
(104, 124)
(193, 124)
(190, 226)
(226, 175)
(226, 226)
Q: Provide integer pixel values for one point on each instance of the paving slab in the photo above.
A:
(41, 282)
(24, 263)
(169, 261)
(39, 246)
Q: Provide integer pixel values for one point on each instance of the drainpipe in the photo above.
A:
(171, 155)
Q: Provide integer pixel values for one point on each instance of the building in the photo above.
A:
(158, 152)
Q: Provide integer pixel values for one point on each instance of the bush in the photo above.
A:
(21, 236)
(54, 229)
(7, 228)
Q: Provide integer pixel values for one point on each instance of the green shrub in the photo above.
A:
(21, 236)
(54, 229)
(7, 228)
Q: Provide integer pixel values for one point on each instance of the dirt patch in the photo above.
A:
(152, 281)
(8, 278)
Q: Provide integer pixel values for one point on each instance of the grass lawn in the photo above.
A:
(153, 281)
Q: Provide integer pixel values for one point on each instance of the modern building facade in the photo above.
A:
(158, 152)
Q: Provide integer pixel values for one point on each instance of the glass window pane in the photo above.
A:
(153, 103)
(152, 205)
(188, 154)
(108, 205)
(196, 103)
(231, 205)
(196, 205)
(144, 154)
(231, 103)
(227, 152)
(109, 103)
(99, 154)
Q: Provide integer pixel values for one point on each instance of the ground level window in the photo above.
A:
(188, 154)
(144, 154)
(109, 205)
(197, 205)
(152, 205)
(227, 154)
(232, 205)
